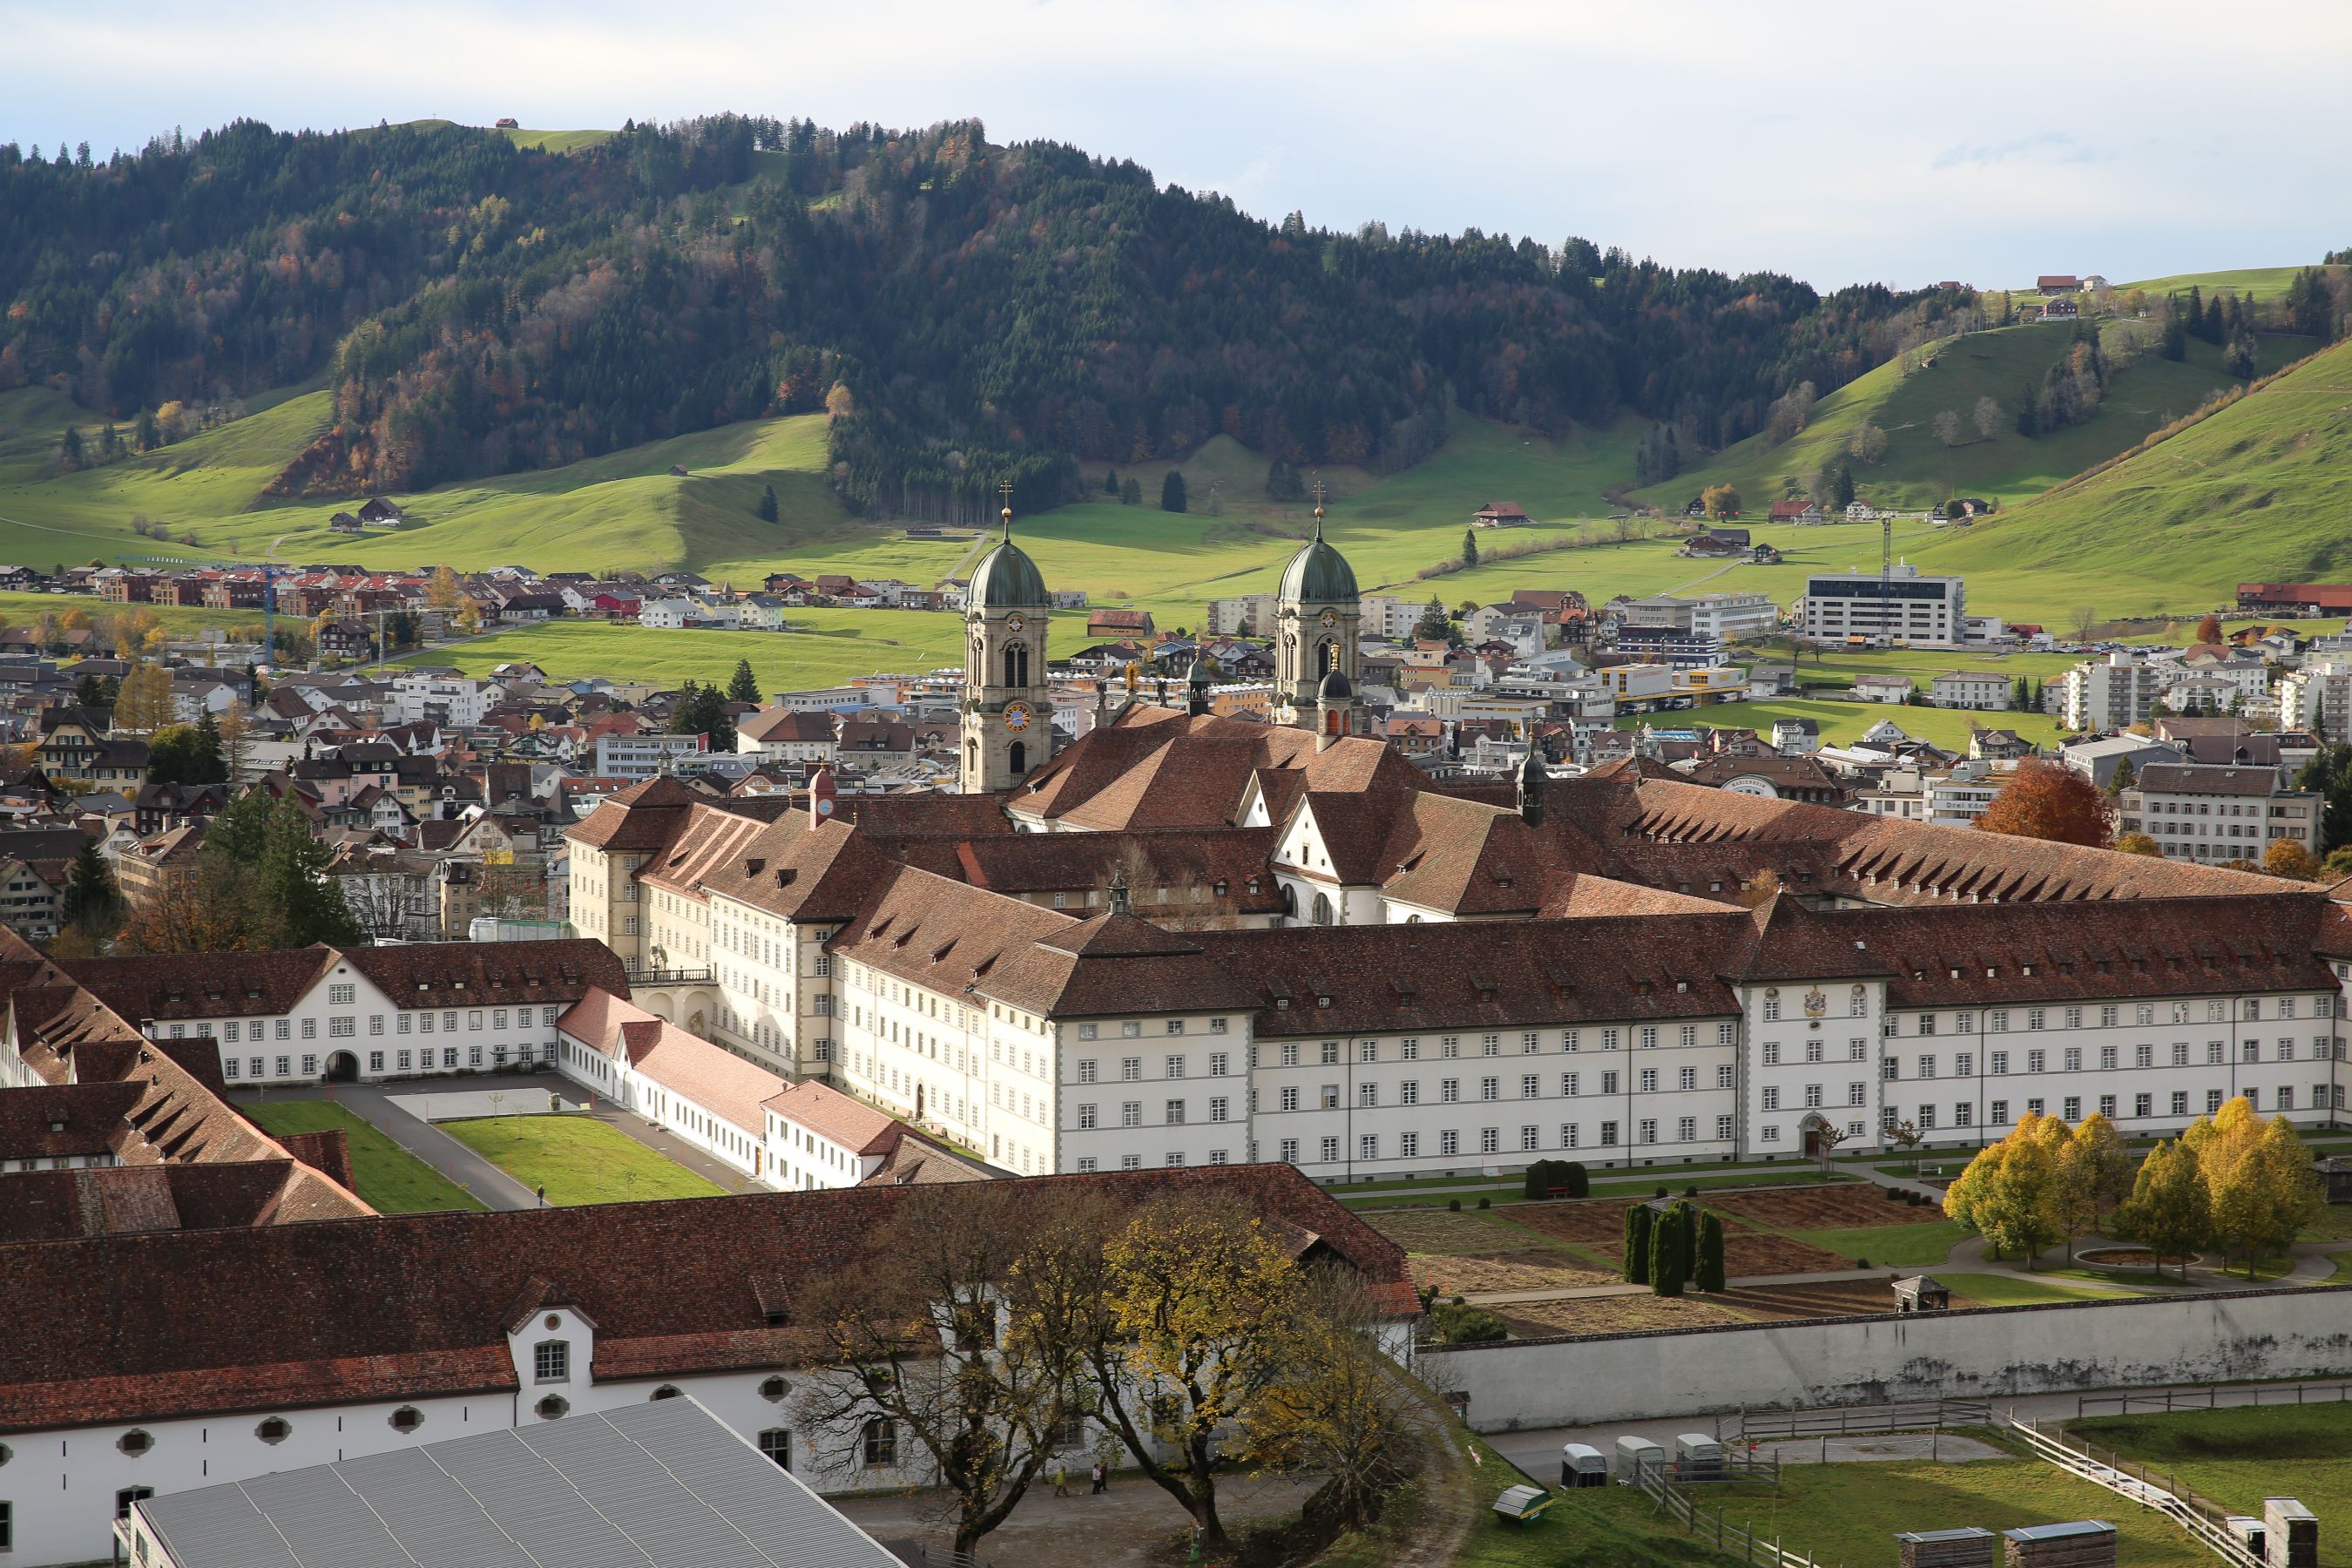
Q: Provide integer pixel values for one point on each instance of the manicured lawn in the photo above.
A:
(2238, 1458)
(1922, 1245)
(389, 1179)
(1629, 1186)
(1849, 1514)
(577, 1160)
(1843, 724)
(2009, 1290)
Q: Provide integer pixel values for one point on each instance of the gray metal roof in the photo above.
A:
(661, 1485)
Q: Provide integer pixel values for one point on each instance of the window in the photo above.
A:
(1530, 1086)
(1087, 1069)
(228, 1067)
(1131, 1112)
(2037, 1062)
(1291, 1097)
(554, 1407)
(1089, 1031)
(1175, 1067)
(1725, 1075)
(1175, 1113)
(1330, 1151)
(309, 1067)
(2071, 1107)
(1129, 1029)
(1771, 1097)
(129, 1495)
(285, 1066)
(776, 1443)
(1449, 1090)
(407, 1418)
(1409, 1092)
(1368, 1095)
(1220, 1064)
(1449, 1142)
(2000, 1109)
(135, 1442)
(281, 1031)
(1490, 1141)
(2143, 1105)
(1686, 1078)
(550, 1361)
(309, 1028)
(667, 1390)
(1085, 1118)
(1528, 1137)
(1409, 1145)
(1926, 1066)
(1609, 1134)
(1886, 1067)
(1649, 1080)
(1858, 1094)
(881, 1442)
(2179, 1103)
(340, 996)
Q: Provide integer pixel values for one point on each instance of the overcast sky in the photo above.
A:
(1841, 141)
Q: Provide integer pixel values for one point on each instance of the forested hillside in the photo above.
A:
(966, 312)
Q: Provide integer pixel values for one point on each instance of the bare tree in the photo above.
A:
(2084, 619)
(1826, 1139)
(1947, 425)
(1987, 418)
(967, 1340)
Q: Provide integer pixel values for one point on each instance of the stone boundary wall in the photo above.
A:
(2137, 1342)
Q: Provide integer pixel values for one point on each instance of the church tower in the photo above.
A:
(1008, 704)
(1316, 619)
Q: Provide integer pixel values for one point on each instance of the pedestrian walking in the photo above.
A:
(1102, 1478)
(1061, 1477)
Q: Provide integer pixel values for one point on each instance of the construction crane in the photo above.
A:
(1886, 574)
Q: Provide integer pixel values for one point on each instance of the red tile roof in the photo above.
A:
(836, 1117)
(408, 1306)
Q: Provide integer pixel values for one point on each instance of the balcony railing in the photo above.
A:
(697, 976)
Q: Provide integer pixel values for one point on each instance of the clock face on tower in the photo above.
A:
(1329, 620)
(1015, 623)
(823, 806)
(1018, 716)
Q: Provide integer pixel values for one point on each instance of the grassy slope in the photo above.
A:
(2261, 282)
(390, 1178)
(2238, 1458)
(842, 644)
(2258, 490)
(1918, 469)
(577, 1160)
(1842, 723)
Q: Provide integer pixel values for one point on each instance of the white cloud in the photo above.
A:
(1834, 139)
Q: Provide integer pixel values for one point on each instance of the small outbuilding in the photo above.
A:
(1525, 1504)
(1922, 1293)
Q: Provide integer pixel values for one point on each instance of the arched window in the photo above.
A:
(1327, 656)
(777, 1444)
(1290, 901)
(1016, 664)
(1322, 916)
(1019, 756)
(667, 1390)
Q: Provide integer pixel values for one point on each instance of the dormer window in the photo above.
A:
(550, 1361)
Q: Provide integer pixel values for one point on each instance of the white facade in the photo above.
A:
(1970, 688)
(440, 698)
(2115, 692)
(643, 756)
(1388, 617)
(1907, 607)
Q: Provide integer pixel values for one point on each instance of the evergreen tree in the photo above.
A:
(743, 686)
(767, 507)
(1469, 547)
(92, 901)
(209, 763)
(1707, 1273)
(1130, 493)
(304, 903)
(1171, 491)
(1637, 1245)
(2175, 343)
(90, 692)
(2029, 414)
(1110, 482)
(1435, 624)
(1666, 1256)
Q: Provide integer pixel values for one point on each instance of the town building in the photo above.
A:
(1727, 617)
(2200, 812)
(1982, 690)
(1905, 606)
(2115, 692)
